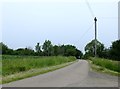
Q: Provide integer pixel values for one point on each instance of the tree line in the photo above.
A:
(47, 49)
(113, 52)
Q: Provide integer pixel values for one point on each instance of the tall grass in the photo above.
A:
(16, 64)
(105, 63)
(0, 65)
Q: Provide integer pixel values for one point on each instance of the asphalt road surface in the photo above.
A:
(75, 75)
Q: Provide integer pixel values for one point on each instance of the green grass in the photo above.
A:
(108, 66)
(19, 67)
(0, 69)
(15, 64)
(32, 72)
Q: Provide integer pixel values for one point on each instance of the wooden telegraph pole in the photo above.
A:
(95, 19)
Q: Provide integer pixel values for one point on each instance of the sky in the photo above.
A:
(25, 22)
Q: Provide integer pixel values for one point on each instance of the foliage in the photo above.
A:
(112, 53)
(115, 50)
(56, 50)
(78, 54)
(5, 50)
(90, 48)
(38, 50)
(24, 51)
(67, 50)
(47, 50)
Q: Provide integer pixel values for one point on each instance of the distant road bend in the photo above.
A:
(75, 75)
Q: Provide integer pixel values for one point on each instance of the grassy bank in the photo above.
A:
(105, 65)
(18, 67)
(0, 69)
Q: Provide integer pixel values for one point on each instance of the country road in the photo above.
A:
(75, 75)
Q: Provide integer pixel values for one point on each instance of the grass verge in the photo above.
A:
(105, 66)
(16, 64)
(32, 72)
(19, 67)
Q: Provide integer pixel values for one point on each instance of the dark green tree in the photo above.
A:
(90, 48)
(38, 49)
(0, 48)
(28, 51)
(47, 48)
(62, 50)
(3, 48)
(67, 50)
(115, 50)
(56, 50)
(24, 51)
(70, 50)
(79, 54)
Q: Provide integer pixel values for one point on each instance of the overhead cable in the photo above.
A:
(90, 9)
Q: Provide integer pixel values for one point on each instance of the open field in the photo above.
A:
(108, 66)
(28, 66)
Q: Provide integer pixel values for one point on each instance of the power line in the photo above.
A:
(86, 31)
(95, 19)
(90, 9)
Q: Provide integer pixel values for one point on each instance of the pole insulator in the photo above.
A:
(95, 19)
